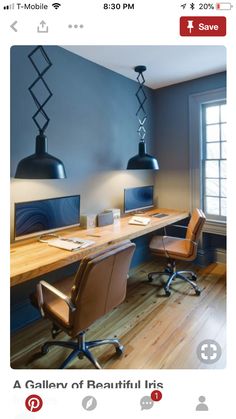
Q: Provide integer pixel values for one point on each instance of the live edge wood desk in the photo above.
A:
(30, 258)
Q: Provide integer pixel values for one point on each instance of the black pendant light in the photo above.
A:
(142, 161)
(40, 165)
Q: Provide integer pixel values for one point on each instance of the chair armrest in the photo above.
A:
(176, 225)
(166, 251)
(55, 291)
(179, 225)
(191, 241)
(186, 227)
(163, 242)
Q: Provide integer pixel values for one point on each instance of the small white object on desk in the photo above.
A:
(72, 243)
(142, 221)
(88, 221)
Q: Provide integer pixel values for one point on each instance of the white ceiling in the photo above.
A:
(166, 65)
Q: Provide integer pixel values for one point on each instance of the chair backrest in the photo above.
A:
(195, 225)
(100, 284)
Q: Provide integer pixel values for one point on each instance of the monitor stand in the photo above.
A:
(142, 212)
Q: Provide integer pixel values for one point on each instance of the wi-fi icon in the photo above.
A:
(56, 5)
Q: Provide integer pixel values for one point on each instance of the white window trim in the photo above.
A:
(195, 132)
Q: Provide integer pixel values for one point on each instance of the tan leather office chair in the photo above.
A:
(174, 248)
(74, 304)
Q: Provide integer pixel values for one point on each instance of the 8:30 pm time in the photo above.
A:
(118, 6)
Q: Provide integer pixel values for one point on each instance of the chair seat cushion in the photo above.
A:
(172, 247)
(55, 308)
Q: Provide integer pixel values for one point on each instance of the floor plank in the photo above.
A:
(157, 332)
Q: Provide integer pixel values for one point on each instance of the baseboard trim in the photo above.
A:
(220, 255)
(207, 256)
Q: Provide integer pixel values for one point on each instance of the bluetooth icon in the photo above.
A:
(192, 6)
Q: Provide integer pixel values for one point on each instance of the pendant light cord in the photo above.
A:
(42, 125)
(141, 97)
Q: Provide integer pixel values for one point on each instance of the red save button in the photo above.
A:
(202, 26)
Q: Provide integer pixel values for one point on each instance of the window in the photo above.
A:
(214, 140)
(207, 143)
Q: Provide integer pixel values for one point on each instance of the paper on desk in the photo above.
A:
(142, 221)
(70, 244)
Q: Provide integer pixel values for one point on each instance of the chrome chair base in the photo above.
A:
(81, 349)
(172, 273)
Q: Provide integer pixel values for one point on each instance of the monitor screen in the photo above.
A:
(46, 215)
(138, 198)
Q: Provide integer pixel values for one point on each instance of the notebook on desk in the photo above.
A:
(73, 243)
(141, 221)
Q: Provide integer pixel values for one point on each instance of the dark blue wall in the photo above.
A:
(93, 125)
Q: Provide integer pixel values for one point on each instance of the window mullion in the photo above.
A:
(212, 192)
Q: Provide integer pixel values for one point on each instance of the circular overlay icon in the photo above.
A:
(33, 403)
(89, 403)
(156, 395)
(209, 351)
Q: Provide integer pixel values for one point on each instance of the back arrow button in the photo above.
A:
(13, 26)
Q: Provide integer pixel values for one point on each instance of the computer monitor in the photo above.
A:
(46, 215)
(138, 198)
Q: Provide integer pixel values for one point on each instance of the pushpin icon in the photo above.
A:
(190, 25)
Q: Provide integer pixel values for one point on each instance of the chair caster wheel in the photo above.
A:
(194, 277)
(81, 355)
(168, 293)
(198, 291)
(150, 278)
(120, 350)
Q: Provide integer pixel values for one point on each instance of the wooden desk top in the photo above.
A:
(30, 258)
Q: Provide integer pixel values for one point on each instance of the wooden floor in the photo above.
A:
(157, 331)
